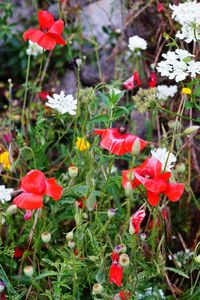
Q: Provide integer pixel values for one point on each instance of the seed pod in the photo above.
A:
(46, 237)
(28, 271)
(97, 288)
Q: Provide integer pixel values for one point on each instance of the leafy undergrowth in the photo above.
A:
(100, 188)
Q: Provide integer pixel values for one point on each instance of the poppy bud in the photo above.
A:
(111, 212)
(180, 168)
(28, 215)
(136, 147)
(69, 235)
(79, 61)
(46, 237)
(11, 210)
(2, 286)
(73, 171)
(124, 260)
(190, 130)
(97, 288)
(143, 236)
(28, 271)
(85, 216)
(197, 259)
(128, 189)
(71, 244)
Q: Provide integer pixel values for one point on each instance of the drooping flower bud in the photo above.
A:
(46, 237)
(28, 271)
(180, 168)
(97, 288)
(11, 210)
(136, 147)
(128, 189)
(69, 236)
(191, 130)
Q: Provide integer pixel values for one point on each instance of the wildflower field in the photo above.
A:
(99, 149)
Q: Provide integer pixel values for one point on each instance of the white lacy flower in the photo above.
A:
(5, 194)
(63, 103)
(34, 49)
(167, 159)
(178, 65)
(165, 91)
(188, 16)
(152, 292)
(135, 42)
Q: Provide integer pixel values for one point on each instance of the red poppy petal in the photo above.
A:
(33, 35)
(174, 191)
(33, 182)
(100, 131)
(47, 42)
(53, 189)
(57, 27)
(125, 178)
(46, 20)
(130, 140)
(154, 166)
(115, 274)
(153, 198)
(57, 38)
(129, 84)
(165, 176)
(28, 201)
(152, 185)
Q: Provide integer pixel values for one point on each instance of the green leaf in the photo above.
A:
(177, 271)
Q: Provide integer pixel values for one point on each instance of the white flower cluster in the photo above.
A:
(135, 42)
(164, 91)
(188, 16)
(167, 159)
(63, 104)
(178, 65)
(34, 49)
(5, 194)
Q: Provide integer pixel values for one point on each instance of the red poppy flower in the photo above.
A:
(116, 274)
(34, 186)
(118, 143)
(160, 7)
(43, 95)
(136, 220)
(129, 84)
(150, 176)
(124, 295)
(115, 257)
(152, 81)
(49, 33)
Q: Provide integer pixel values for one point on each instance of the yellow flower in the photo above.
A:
(186, 91)
(82, 144)
(4, 160)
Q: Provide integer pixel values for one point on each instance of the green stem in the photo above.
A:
(26, 92)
